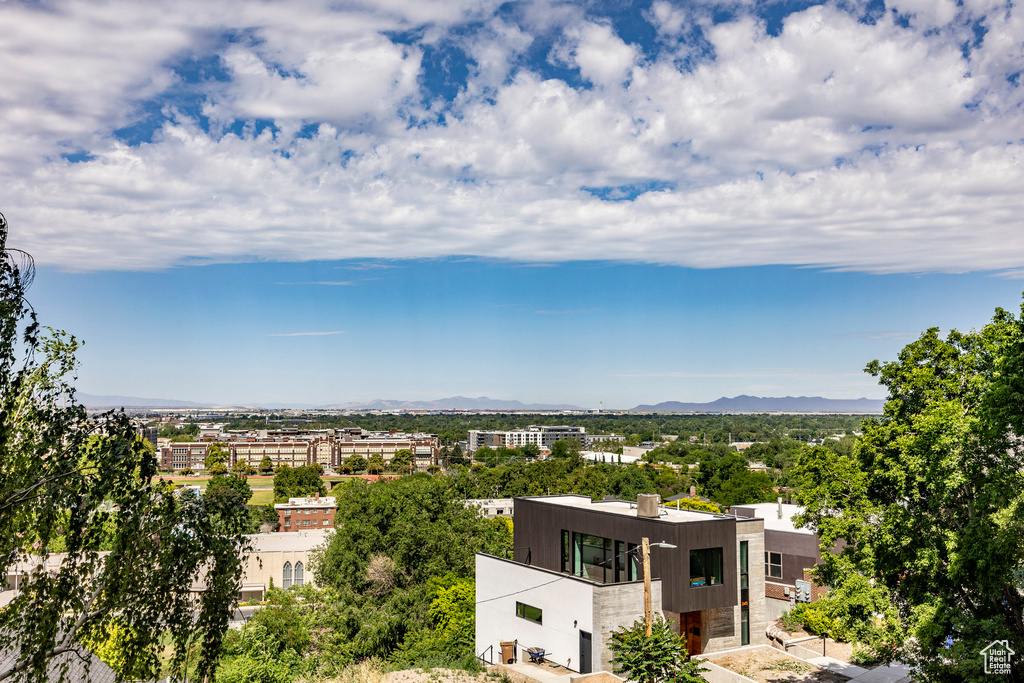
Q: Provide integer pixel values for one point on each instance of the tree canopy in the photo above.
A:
(930, 503)
(131, 546)
(298, 482)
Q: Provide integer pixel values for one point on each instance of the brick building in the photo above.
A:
(303, 514)
(296, 448)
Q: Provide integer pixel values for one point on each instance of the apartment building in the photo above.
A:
(543, 437)
(296, 448)
(706, 574)
(180, 455)
(302, 514)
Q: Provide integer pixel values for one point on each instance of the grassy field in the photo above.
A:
(262, 498)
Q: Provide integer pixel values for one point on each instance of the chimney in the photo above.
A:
(693, 492)
(647, 505)
(780, 507)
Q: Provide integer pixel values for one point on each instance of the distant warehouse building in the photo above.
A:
(544, 437)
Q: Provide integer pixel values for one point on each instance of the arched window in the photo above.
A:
(298, 574)
(287, 579)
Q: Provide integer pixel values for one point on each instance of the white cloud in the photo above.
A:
(836, 143)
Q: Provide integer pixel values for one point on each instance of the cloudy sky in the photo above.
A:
(322, 202)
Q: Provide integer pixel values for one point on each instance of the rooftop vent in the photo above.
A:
(647, 505)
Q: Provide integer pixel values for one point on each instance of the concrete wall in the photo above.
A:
(753, 533)
(617, 605)
(717, 674)
(720, 628)
(567, 604)
(773, 609)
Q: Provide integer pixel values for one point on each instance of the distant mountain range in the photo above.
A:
(758, 404)
(452, 403)
(94, 401)
(738, 404)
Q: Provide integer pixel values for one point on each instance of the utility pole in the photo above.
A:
(646, 542)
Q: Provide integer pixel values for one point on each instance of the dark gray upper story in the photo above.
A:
(540, 521)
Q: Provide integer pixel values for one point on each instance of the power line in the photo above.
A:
(507, 595)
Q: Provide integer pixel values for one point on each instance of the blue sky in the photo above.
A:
(549, 201)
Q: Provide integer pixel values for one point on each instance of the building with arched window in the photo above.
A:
(280, 559)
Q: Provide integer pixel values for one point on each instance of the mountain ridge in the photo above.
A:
(770, 404)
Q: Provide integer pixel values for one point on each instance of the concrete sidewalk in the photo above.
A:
(894, 673)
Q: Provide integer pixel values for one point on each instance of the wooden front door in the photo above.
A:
(689, 630)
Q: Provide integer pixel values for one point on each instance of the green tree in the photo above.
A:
(401, 461)
(243, 468)
(266, 465)
(931, 502)
(375, 465)
(456, 457)
(229, 490)
(88, 483)
(299, 482)
(217, 459)
(654, 658)
(399, 536)
(355, 463)
(566, 448)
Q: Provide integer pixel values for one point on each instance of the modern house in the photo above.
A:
(576, 576)
(789, 551)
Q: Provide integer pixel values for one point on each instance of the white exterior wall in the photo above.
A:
(569, 604)
(562, 598)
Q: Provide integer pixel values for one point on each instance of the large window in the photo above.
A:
(773, 565)
(594, 557)
(529, 612)
(566, 553)
(286, 578)
(705, 567)
(298, 575)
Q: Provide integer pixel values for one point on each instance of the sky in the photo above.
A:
(321, 202)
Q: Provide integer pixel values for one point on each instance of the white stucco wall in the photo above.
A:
(563, 599)
(570, 605)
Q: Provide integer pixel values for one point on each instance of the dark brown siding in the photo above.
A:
(799, 551)
(539, 524)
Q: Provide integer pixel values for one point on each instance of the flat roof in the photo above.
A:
(627, 508)
(288, 541)
(769, 512)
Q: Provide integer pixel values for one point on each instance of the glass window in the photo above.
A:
(298, 574)
(529, 612)
(286, 579)
(566, 554)
(634, 562)
(744, 565)
(745, 626)
(773, 565)
(705, 567)
(594, 557)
